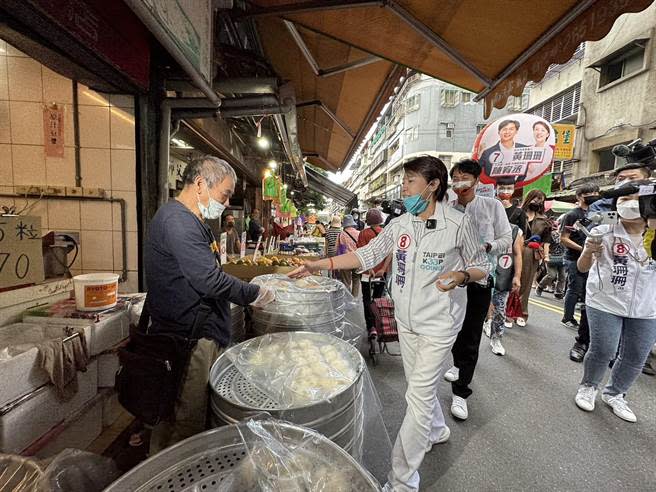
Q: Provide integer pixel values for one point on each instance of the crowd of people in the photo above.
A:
(451, 264)
(450, 260)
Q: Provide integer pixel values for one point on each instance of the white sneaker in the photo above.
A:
(487, 327)
(444, 437)
(620, 407)
(497, 348)
(508, 324)
(585, 398)
(459, 408)
(521, 322)
(452, 374)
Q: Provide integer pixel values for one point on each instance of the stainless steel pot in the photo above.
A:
(219, 459)
(235, 398)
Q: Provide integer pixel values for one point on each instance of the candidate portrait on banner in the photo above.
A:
(515, 149)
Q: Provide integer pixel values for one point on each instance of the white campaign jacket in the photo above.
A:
(622, 281)
(420, 255)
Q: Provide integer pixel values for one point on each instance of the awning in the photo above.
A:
(491, 48)
(323, 185)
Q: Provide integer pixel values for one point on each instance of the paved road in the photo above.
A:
(524, 431)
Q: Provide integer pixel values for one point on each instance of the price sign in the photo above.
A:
(21, 257)
(242, 245)
(224, 248)
(257, 248)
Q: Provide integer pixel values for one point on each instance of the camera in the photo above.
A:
(636, 152)
(395, 207)
(645, 189)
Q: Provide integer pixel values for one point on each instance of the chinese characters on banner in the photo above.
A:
(53, 128)
(565, 134)
(21, 255)
(516, 149)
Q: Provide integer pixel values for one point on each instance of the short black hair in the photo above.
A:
(430, 168)
(469, 166)
(508, 122)
(586, 189)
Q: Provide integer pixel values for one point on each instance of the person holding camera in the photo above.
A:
(620, 302)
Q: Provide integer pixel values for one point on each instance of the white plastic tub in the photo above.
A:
(95, 291)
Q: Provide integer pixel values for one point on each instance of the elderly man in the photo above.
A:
(189, 295)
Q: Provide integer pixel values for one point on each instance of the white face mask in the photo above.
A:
(629, 209)
(213, 210)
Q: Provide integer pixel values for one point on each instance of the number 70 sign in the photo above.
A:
(21, 255)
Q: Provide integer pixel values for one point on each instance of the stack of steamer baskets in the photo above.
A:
(252, 456)
(310, 379)
(316, 304)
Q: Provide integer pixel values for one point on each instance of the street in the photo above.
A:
(524, 430)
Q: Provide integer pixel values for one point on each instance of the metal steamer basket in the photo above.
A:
(316, 304)
(216, 459)
(235, 398)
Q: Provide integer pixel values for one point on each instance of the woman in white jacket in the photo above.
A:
(621, 303)
(435, 251)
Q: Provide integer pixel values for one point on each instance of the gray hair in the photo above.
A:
(212, 169)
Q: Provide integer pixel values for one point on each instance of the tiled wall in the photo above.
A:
(107, 155)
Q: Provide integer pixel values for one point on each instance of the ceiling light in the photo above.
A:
(180, 144)
(273, 164)
(263, 142)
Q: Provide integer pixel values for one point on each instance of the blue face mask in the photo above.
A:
(213, 210)
(416, 204)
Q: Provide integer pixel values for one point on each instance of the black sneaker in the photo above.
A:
(559, 295)
(572, 324)
(578, 352)
(538, 292)
(648, 369)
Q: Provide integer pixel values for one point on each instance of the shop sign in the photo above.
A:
(516, 149)
(565, 134)
(188, 24)
(543, 184)
(21, 256)
(53, 128)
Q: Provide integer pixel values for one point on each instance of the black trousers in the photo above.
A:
(583, 336)
(371, 291)
(465, 350)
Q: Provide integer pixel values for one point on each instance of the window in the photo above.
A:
(466, 97)
(628, 62)
(447, 129)
(413, 103)
(560, 106)
(449, 97)
(606, 160)
(412, 134)
(480, 127)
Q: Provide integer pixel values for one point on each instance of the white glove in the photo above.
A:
(264, 297)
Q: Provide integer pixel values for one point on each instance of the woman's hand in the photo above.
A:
(516, 284)
(592, 248)
(309, 268)
(449, 281)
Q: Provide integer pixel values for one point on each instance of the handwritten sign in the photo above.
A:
(53, 128)
(257, 248)
(224, 248)
(242, 245)
(21, 256)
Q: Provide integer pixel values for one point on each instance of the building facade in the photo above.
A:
(426, 116)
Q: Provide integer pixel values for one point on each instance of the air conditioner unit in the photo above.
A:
(450, 126)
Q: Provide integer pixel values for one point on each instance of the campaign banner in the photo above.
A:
(516, 149)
